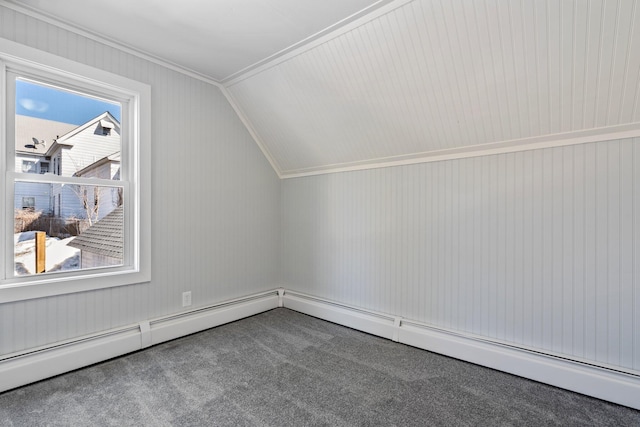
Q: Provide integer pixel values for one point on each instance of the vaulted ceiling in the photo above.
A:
(343, 84)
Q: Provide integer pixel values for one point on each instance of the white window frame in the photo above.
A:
(135, 98)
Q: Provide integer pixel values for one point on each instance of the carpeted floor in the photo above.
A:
(282, 368)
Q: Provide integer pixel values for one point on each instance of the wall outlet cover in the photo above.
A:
(186, 299)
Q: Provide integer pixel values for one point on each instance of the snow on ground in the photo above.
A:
(59, 256)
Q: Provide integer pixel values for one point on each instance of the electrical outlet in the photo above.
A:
(186, 299)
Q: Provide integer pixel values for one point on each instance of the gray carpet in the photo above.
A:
(282, 368)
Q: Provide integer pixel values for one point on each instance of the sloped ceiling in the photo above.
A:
(393, 80)
(423, 76)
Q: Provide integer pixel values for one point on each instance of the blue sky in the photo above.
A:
(48, 103)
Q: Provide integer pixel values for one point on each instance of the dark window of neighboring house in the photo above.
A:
(44, 167)
(29, 203)
(106, 127)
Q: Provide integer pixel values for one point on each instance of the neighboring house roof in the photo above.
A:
(101, 119)
(112, 158)
(52, 133)
(105, 237)
(30, 128)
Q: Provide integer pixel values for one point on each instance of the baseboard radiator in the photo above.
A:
(606, 383)
(37, 364)
(601, 382)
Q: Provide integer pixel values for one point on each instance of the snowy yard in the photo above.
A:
(59, 256)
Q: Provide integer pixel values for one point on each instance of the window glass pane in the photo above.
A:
(29, 203)
(28, 166)
(44, 167)
(82, 225)
(78, 132)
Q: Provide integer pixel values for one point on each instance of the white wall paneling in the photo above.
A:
(536, 249)
(215, 202)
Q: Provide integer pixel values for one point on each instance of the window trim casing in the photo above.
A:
(138, 208)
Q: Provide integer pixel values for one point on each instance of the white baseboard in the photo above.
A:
(35, 365)
(606, 384)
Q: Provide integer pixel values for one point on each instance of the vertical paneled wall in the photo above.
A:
(215, 209)
(538, 248)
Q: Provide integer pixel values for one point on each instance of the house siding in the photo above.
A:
(108, 198)
(40, 191)
(88, 146)
(215, 217)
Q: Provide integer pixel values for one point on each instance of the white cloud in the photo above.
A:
(33, 105)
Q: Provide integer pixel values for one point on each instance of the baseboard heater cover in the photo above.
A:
(20, 369)
(172, 327)
(606, 384)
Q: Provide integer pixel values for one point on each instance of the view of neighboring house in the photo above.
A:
(34, 138)
(89, 150)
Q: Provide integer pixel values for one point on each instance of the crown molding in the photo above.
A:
(631, 130)
(85, 32)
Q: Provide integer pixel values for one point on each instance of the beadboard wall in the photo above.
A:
(537, 249)
(216, 213)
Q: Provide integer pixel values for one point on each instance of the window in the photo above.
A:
(29, 203)
(28, 166)
(44, 167)
(106, 127)
(93, 126)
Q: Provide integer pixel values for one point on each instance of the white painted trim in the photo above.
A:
(254, 134)
(22, 368)
(369, 13)
(631, 130)
(608, 384)
(374, 11)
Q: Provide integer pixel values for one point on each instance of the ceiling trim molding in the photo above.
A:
(344, 25)
(84, 32)
(631, 130)
(376, 10)
(254, 134)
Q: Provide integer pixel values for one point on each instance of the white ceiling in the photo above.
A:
(215, 38)
(330, 85)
